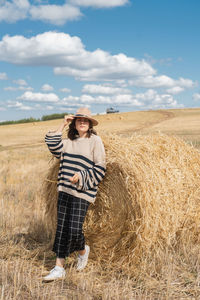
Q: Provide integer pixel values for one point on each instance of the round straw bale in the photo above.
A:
(149, 200)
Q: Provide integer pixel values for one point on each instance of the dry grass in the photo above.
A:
(147, 246)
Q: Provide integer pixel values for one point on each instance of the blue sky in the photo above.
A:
(56, 56)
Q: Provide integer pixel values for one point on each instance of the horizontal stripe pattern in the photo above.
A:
(90, 173)
(54, 144)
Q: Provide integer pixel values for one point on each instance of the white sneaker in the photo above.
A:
(83, 259)
(56, 273)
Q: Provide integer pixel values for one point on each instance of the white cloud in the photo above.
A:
(71, 106)
(65, 90)
(163, 61)
(161, 81)
(49, 48)
(124, 99)
(196, 96)
(48, 107)
(70, 58)
(100, 3)
(39, 97)
(100, 65)
(3, 76)
(70, 99)
(14, 104)
(47, 88)
(12, 11)
(175, 90)
(150, 99)
(103, 89)
(20, 82)
(55, 14)
(15, 10)
(19, 88)
(19, 106)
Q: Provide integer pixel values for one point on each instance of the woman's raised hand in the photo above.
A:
(68, 119)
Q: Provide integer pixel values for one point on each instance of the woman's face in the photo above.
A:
(82, 126)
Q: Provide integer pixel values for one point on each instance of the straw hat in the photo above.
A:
(84, 112)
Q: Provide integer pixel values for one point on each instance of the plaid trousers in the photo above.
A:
(71, 212)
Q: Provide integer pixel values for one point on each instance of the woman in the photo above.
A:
(82, 167)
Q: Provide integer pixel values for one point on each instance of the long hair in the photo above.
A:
(73, 133)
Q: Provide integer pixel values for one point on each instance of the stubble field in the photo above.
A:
(24, 242)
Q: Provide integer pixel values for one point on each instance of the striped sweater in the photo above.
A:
(84, 156)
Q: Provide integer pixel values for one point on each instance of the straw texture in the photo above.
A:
(148, 203)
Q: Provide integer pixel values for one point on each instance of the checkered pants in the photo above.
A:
(69, 236)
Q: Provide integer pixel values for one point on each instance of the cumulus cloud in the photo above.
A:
(150, 99)
(49, 48)
(161, 81)
(196, 96)
(12, 11)
(103, 89)
(19, 88)
(124, 99)
(70, 99)
(20, 82)
(99, 3)
(39, 97)
(47, 88)
(69, 57)
(15, 10)
(101, 65)
(55, 14)
(3, 76)
(48, 107)
(65, 90)
(19, 106)
(175, 90)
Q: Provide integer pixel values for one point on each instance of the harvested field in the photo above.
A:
(143, 228)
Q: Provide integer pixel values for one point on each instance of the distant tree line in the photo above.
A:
(33, 120)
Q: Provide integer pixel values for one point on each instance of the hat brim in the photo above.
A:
(94, 122)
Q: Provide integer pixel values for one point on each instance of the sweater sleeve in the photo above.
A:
(90, 178)
(54, 142)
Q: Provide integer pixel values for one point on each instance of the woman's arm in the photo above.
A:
(53, 139)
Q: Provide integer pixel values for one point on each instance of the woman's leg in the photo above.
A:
(58, 272)
(60, 262)
(76, 239)
(82, 252)
(60, 241)
(69, 233)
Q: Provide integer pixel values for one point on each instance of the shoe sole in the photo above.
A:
(50, 280)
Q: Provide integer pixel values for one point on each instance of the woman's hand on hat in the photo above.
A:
(74, 179)
(68, 119)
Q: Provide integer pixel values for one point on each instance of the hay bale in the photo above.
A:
(147, 203)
